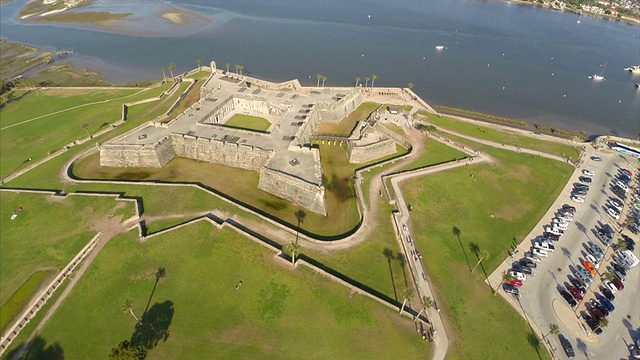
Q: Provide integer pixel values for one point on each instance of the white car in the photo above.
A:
(552, 230)
(404, 227)
(588, 172)
(532, 257)
(577, 199)
(593, 260)
(613, 213)
(616, 204)
(610, 286)
(544, 246)
(539, 252)
(518, 275)
(620, 184)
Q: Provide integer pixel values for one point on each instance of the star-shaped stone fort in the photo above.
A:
(288, 164)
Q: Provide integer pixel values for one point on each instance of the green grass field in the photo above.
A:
(345, 127)
(248, 122)
(276, 313)
(27, 131)
(486, 133)
(450, 212)
(43, 238)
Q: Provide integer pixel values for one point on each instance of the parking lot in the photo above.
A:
(562, 267)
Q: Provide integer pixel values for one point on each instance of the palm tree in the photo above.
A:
(240, 67)
(357, 81)
(294, 247)
(408, 294)
(367, 79)
(198, 62)
(608, 276)
(128, 306)
(373, 79)
(603, 322)
(171, 67)
(237, 68)
(324, 78)
(318, 76)
(506, 278)
(427, 302)
(164, 76)
(410, 86)
(228, 66)
(85, 126)
(553, 330)
(622, 245)
(482, 255)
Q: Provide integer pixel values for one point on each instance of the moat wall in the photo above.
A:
(370, 152)
(129, 155)
(293, 189)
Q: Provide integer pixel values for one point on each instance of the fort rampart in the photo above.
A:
(365, 153)
(298, 191)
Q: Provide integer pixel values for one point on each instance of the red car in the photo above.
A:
(627, 172)
(575, 293)
(618, 284)
(516, 283)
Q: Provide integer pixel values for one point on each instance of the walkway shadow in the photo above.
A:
(36, 349)
(389, 255)
(457, 233)
(154, 326)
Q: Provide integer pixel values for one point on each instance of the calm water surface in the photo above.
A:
(505, 59)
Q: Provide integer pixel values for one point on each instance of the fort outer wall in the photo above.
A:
(298, 191)
(370, 152)
(157, 154)
(219, 152)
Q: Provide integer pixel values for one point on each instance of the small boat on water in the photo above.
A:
(580, 18)
(598, 77)
(634, 69)
(638, 85)
(440, 47)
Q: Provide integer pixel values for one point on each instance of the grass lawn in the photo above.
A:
(436, 153)
(35, 139)
(486, 133)
(43, 238)
(248, 122)
(200, 75)
(450, 212)
(345, 127)
(277, 313)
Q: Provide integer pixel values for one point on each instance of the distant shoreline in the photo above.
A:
(627, 20)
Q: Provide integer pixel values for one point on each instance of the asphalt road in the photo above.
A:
(540, 293)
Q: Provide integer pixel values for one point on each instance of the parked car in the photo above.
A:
(544, 246)
(625, 171)
(618, 284)
(515, 283)
(577, 199)
(518, 275)
(529, 255)
(619, 268)
(566, 345)
(596, 314)
(585, 179)
(603, 300)
(567, 207)
(593, 324)
(523, 269)
(575, 293)
(528, 262)
(510, 289)
(608, 294)
(568, 298)
(596, 250)
(577, 283)
(540, 252)
(596, 305)
(596, 158)
(590, 268)
(593, 260)
(588, 172)
(609, 285)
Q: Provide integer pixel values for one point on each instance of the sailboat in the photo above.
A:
(598, 77)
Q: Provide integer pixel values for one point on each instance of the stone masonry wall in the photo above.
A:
(123, 155)
(306, 131)
(366, 153)
(335, 112)
(220, 152)
(299, 192)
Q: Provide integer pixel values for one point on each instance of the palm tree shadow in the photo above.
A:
(154, 326)
(389, 255)
(37, 349)
(457, 233)
(403, 261)
(159, 275)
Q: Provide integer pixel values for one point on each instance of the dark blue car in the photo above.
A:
(606, 303)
